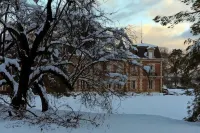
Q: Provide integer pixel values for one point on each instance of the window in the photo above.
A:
(151, 68)
(1, 88)
(83, 84)
(134, 70)
(118, 70)
(150, 84)
(109, 86)
(109, 67)
(150, 55)
(133, 84)
(99, 66)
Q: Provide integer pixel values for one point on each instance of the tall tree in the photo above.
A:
(165, 65)
(175, 66)
(38, 41)
(192, 61)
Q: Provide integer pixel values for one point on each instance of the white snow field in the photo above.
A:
(170, 106)
(121, 123)
(135, 114)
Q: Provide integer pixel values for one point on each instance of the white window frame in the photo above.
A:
(150, 54)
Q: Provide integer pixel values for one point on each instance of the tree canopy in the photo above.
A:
(45, 40)
(191, 60)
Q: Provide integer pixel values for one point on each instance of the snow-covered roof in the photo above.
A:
(150, 47)
(146, 45)
(134, 48)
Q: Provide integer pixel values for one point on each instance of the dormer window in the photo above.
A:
(150, 52)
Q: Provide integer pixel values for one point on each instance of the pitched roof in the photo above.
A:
(146, 45)
(142, 48)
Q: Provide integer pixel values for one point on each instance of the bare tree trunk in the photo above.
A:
(27, 60)
(44, 101)
(45, 105)
(175, 80)
(20, 99)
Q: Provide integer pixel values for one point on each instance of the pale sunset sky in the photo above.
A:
(132, 12)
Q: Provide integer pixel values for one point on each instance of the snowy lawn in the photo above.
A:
(170, 106)
(179, 91)
(139, 114)
(123, 123)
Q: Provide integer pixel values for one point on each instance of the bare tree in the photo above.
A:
(65, 39)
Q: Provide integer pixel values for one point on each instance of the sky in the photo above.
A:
(134, 12)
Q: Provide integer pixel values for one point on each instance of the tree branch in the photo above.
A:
(49, 69)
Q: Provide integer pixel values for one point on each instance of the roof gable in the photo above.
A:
(143, 48)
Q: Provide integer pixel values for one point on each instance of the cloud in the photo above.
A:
(108, 3)
(132, 8)
(168, 7)
(162, 36)
(152, 8)
(131, 12)
(187, 34)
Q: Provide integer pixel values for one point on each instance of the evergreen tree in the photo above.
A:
(192, 58)
(174, 61)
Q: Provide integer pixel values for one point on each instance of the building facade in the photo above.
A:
(138, 79)
(147, 82)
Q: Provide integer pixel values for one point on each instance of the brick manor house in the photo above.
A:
(149, 56)
(138, 81)
(137, 78)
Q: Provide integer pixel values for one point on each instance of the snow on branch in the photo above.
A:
(9, 78)
(135, 62)
(118, 55)
(13, 31)
(112, 75)
(40, 30)
(66, 62)
(49, 69)
(116, 78)
(10, 62)
(6, 62)
(88, 40)
(194, 48)
(45, 69)
(2, 82)
(147, 69)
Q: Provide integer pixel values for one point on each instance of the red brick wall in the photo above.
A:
(156, 80)
(131, 75)
(157, 69)
(157, 85)
(145, 84)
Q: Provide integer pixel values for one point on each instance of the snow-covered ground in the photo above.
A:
(139, 113)
(179, 91)
(117, 124)
(170, 106)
